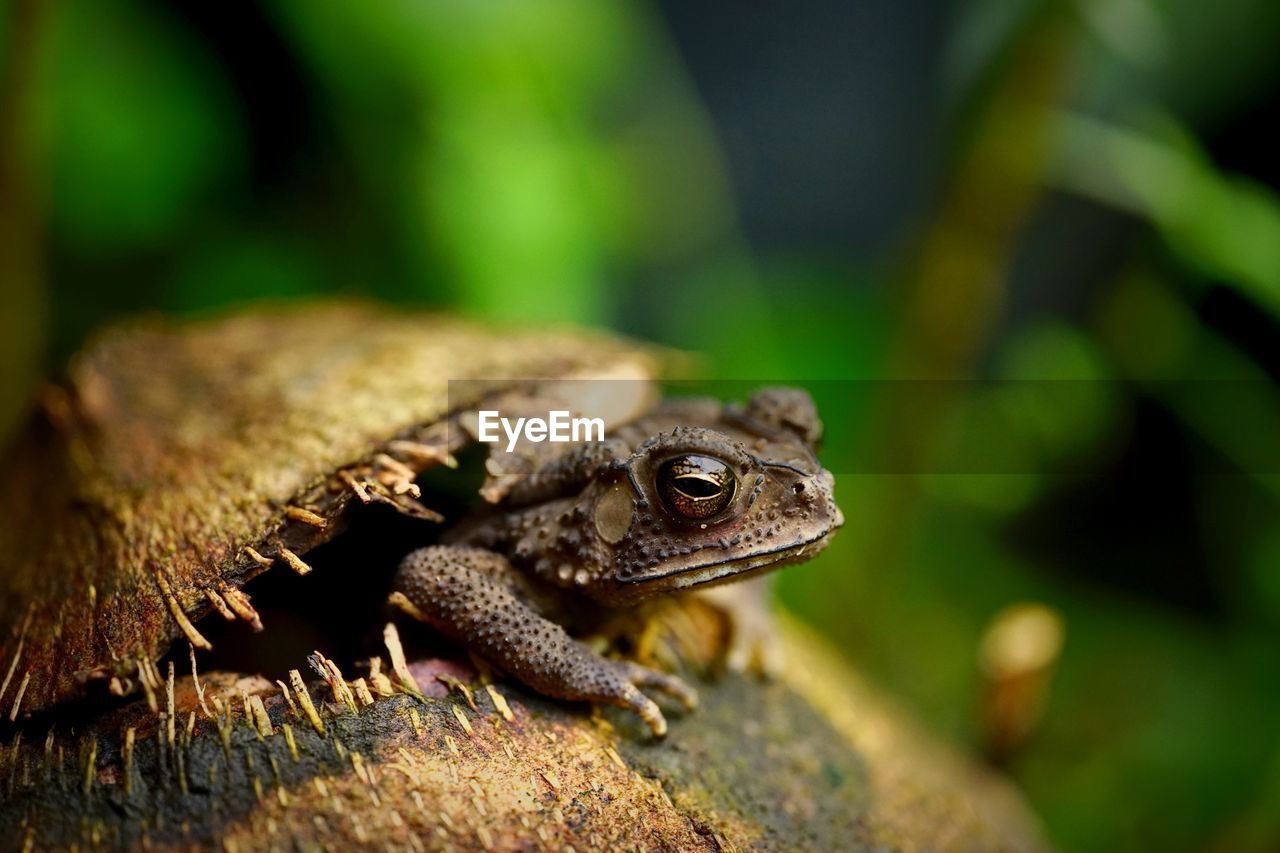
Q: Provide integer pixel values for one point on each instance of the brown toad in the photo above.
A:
(692, 494)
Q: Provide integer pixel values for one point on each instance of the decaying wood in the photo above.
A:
(817, 760)
(178, 462)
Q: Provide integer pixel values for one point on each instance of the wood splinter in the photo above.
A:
(219, 604)
(391, 638)
(294, 561)
(197, 639)
(424, 452)
(239, 604)
(306, 516)
(357, 488)
(257, 557)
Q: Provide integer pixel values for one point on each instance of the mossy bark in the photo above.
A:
(814, 760)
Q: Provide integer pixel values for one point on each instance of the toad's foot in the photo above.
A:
(476, 597)
(619, 682)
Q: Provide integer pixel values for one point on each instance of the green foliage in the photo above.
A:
(161, 122)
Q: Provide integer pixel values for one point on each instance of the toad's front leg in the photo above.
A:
(471, 595)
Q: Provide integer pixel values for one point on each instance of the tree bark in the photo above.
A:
(817, 759)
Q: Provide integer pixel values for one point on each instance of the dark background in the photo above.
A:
(1048, 192)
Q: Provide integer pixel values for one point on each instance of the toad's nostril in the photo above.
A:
(798, 488)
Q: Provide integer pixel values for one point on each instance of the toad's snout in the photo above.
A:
(826, 483)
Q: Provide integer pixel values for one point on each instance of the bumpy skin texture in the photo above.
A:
(476, 597)
(691, 495)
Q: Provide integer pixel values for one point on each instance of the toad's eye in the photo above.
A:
(696, 487)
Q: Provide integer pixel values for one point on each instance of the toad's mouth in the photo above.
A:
(714, 572)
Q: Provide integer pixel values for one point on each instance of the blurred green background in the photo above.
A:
(995, 189)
